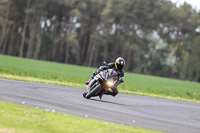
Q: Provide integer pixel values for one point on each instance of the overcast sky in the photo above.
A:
(194, 3)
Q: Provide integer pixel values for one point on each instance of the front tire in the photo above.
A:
(95, 90)
(84, 94)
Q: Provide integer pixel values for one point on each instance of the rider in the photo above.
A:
(118, 67)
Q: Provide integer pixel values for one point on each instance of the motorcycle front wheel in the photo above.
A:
(93, 91)
(84, 94)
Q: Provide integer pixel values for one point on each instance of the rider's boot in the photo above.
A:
(87, 82)
(110, 92)
(100, 96)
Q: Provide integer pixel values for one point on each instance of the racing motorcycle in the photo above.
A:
(101, 83)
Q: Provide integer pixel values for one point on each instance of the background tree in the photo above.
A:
(155, 37)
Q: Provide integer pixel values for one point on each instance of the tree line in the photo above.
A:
(155, 37)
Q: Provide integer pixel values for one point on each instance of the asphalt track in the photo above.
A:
(146, 112)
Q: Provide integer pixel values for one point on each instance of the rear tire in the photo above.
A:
(95, 90)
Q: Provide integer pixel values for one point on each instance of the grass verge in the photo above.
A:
(72, 75)
(19, 119)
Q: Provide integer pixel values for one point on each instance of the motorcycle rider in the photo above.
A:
(118, 67)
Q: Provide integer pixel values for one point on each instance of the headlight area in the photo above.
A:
(110, 83)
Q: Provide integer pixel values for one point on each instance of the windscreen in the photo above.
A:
(110, 73)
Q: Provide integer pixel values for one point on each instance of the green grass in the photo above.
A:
(20, 119)
(72, 75)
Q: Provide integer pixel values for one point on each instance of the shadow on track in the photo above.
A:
(110, 102)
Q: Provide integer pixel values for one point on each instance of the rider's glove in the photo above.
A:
(95, 73)
(121, 80)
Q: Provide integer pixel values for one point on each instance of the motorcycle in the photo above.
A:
(101, 83)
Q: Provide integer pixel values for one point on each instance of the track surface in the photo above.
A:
(146, 112)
